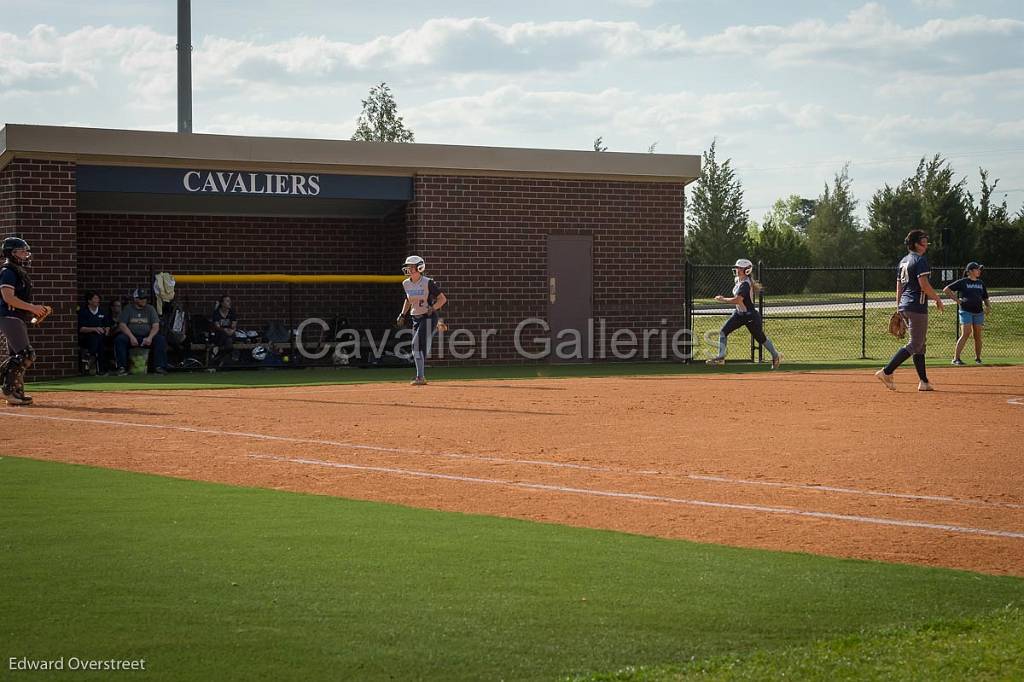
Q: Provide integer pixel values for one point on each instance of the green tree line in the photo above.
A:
(827, 232)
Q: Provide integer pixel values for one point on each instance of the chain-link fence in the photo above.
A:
(823, 314)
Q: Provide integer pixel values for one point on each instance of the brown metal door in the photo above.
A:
(570, 295)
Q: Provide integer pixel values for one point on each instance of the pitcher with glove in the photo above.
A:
(16, 308)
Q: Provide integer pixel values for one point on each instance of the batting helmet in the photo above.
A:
(747, 266)
(414, 262)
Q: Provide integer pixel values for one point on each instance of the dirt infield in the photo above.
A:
(822, 462)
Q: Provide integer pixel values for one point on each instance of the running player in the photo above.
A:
(912, 293)
(969, 293)
(423, 298)
(15, 307)
(746, 314)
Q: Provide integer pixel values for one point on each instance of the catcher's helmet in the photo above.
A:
(259, 353)
(414, 262)
(12, 244)
(747, 266)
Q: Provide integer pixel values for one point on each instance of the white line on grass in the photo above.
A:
(650, 498)
(533, 462)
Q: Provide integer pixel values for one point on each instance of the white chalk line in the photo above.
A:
(643, 497)
(1016, 400)
(941, 499)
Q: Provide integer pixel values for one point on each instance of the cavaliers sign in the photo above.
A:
(241, 183)
(231, 182)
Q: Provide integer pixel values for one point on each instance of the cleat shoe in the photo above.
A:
(958, 362)
(160, 370)
(418, 381)
(924, 386)
(776, 361)
(715, 361)
(886, 379)
(18, 399)
(120, 372)
(977, 361)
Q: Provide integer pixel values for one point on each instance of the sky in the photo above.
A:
(790, 93)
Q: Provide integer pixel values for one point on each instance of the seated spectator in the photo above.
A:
(93, 330)
(224, 323)
(139, 327)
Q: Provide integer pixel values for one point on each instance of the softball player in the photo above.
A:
(423, 298)
(745, 316)
(912, 293)
(15, 308)
(970, 293)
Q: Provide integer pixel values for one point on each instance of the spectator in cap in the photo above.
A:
(139, 325)
(970, 294)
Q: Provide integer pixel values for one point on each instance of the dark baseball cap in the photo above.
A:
(974, 266)
(140, 292)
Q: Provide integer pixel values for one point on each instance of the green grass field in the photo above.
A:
(823, 340)
(322, 377)
(213, 582)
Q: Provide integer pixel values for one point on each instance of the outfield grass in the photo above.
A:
(824, 339)
(214, 582)
(985, 647)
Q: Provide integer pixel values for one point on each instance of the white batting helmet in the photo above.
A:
(414, 262)
(747, 266)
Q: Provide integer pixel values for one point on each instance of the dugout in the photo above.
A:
(512, 234)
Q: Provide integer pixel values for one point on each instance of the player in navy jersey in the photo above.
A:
(423, 298)
(912, 293)
(746, 314)
(15, 308)
(970, 295)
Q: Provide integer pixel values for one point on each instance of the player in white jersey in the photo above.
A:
(423, 298)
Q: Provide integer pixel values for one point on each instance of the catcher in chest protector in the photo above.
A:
(423, 300)
(16, 308)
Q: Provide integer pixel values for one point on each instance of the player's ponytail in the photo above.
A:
(755, 286)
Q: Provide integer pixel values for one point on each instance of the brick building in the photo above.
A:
(562, 236)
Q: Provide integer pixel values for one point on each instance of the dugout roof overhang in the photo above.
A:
(379, 167)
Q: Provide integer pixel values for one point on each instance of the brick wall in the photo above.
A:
(485, 240)
(118, 252)
(37, 202)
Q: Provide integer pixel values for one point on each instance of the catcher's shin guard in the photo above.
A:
(12, 373)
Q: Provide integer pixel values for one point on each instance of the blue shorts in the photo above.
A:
(967, 317)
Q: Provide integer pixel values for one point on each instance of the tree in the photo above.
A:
(716, 224)
(599, 145)
(778, 244)
(892, 213)
(834, 236)
(379, 121)
(943, 212)
(1000, 237)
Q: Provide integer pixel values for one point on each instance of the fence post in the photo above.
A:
(688, 308)
(863, 313)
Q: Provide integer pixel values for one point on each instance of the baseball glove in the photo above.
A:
(38, 319)
(898, 325)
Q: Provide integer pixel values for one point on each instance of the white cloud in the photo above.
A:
(935, 4)
(46, 59)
